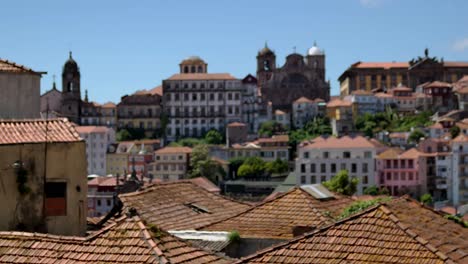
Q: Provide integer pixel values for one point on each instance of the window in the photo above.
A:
(108, 201)
(55, 198)
(353, 167)
(306, 155)
(389, 176)
(346, 155)
(313, 179)
(333, 168)
(303, 179)
(326, 154)
(323, 178)
(365, 167)
(323, 167)
(367, 154)
(312, 168)
(303, 168)
(365, 180)
(343, 166)
(98, 202)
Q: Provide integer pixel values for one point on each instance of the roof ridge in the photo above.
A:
(149, 239)
(412, 234)
(308, 234)
(249, 209)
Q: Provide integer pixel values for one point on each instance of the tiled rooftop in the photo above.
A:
(278, 217)
(380, 234)
(338, 142)
(9, 66)
(173, 150)
(201, 76)
(181, 205)
(37, 131)
(128, 240)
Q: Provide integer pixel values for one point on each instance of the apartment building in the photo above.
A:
(340, 113)
(304, 110)
(268, 149)
(171, 163)
(320, 159)
(98, 139)
(460, 170)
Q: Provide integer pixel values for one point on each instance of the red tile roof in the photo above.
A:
(201, 76)
(91, 129)
(384, 65)
(181, 205)
(34, 131)
(389, 233)
(128, 240)
(9, 66)
(303, 100)
(277, 218)
(173, 150)
(109, 105)
(438, 84)
(341, 142)
(236, 124)
(339, 103)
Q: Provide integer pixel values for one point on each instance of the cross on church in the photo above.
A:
(53, 77)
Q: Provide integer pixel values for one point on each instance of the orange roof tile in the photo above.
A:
(341, 142)
(173, 150)
(438, 84)
(34, 131)
(376, 235)
(277, 218)
(9, 66)
(339, 103)
(361, 92)
(91, 129)
(303, 100)
(385, 65)
(455, 64)
(461, 138)
(128, 240)
(391, 153)
(274, 138)
(236, 124)
(201, 76)
(181, 205)
(109, 105)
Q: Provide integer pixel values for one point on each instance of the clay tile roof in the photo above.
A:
(157, 90)
(201, 76)
(303, 100)
(103, 181)
(276, 218)
(9, 66)
(438, 84)
(455, 64)
(91, 129)
(109, 105)
(173, 150)
(380, 234)
(236, 124)
(402, 89)
(181, 205)
(382, 95)
(279, 112)
(361, 92)
(128, 240)
(275, 138)
(34, 131)
(460, 138)
(410, 154)
(338, 103)
(384, 65)
(341, 142)
(391, 153)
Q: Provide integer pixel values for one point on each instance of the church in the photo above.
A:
(66, 103)
(299, 77)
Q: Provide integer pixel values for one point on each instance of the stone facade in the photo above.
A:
(300, 76)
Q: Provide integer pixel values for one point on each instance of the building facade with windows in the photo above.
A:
(196, 101)
(304, 110)
(98, 139)
(171, 163)
(383, 75)
(320, 159)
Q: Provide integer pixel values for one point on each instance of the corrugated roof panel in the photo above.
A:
(318, 191)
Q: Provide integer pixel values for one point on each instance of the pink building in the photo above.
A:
(402, 172)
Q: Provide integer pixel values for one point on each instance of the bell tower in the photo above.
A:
(266, 64)
(71, 90)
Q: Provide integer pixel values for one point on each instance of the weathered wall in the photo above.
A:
(19, 95)
(66, 162)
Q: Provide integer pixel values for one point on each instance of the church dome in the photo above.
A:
(315, 51)
(193, 60)
(265, 51)
(70, 65)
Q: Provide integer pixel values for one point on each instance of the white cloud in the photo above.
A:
(371, 3)
(460, 45)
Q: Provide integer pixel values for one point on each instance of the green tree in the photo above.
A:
(277, 167)
(123, 135)
(235, 163)
(454, 131)
(341, 183)
(372, 190)
(270, 128)
(416, 136)
(187, 142)
(203, 166)
(426, 199)
(214, 137)
(253, 167)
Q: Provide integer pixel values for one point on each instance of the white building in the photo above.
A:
(460, 170)
(364, 102)
(304, 110)
(255, 109)
(97, 138)
(196, 101)
(282, 118)
(20, 89)
(320, 159)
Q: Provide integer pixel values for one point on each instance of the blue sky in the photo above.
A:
(124, 46)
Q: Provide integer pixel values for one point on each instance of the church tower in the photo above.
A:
(316, 61)
(71, 93)
(266, 64)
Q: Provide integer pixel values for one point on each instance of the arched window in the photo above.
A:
(200, 69)
(185, 69)
(70, 86)
(192, 70)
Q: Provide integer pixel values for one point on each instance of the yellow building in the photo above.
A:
(43, 177)
(171, 163)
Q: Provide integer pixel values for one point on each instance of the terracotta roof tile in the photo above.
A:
(339, 103)
(236, 124)
(381, 234)
(34, 131)
(438, 84)
(277, 218)
(201, 76)
(181, 205)
(303, 100)
(127, 240)
(9, 66)
(91, 129)
(385, 65)
(173, 150)
(340, 142)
